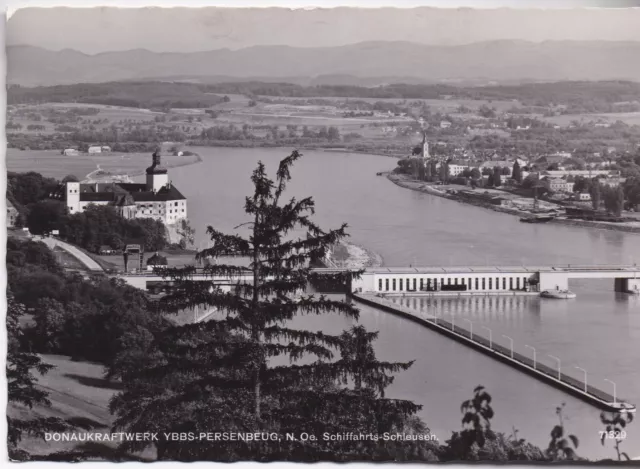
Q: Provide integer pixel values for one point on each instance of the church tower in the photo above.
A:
(425, 146)
(157, 176)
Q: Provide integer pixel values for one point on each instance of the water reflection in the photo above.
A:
(599, 331)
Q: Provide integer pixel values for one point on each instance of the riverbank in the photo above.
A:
(402, 181)
(127, 176)
(353, 256)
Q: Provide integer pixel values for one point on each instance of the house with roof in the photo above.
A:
(559, 185)
(500, 164)
(157, 198)
(457, 167)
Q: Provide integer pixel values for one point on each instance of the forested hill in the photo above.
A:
(504, 60)
(585, 96)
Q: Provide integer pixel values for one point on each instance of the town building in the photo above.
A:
(583, 173)
(560, 185)
(583, 197)
(157, 198)
(613, 181)
(457, 167)
(500, 164)
(12, 215)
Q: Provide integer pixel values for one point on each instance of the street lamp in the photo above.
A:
(534, 355)
(556, 358)
(511, 341)
(614, 389)
(470, 328)
(585, 377)
(490, 336)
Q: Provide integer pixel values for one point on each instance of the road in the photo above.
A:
(89, 263)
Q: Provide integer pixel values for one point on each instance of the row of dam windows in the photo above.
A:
(454, 284)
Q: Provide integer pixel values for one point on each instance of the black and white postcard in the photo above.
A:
(344, 234)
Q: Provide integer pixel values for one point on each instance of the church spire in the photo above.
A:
(425, 145)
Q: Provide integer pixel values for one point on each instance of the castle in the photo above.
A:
(157, 198)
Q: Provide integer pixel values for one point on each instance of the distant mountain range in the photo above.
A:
(363, 64)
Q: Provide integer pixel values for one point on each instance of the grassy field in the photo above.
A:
(52, 164)
(629, 118)
(77, 391)
(80, 394)
(379, 129)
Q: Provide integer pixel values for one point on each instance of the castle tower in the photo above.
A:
(73, 197)
(157, 176)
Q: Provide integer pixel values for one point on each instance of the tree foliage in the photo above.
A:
(613, 199)
(596, 195)
(615, 426)
(230, 373)
(186, 233)
(22, 385)
(83, 318)
(516, 173)
(562, 446)
(478, 442)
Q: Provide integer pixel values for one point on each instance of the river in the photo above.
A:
(599, 331)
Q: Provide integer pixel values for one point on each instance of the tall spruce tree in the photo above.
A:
(227, 374)
(516, 173)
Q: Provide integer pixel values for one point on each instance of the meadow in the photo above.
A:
(51, 163)
(629, 118)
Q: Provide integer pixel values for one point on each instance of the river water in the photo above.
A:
(599, 331)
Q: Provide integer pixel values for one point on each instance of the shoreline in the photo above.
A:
(128, 177)
(357, 257)
(425, 188)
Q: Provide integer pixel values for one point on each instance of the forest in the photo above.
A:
(576, 97)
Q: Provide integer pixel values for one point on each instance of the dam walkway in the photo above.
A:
(507, 355)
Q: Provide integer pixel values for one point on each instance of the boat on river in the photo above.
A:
(558, 294)
(537, 219)
(622, 407)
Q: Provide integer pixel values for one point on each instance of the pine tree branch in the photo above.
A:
(225, 244)
(300, 336)
(296, 352)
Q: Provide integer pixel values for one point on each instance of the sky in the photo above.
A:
(102, 29)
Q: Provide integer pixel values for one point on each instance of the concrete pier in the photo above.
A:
(575, 387)
(627, 285)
